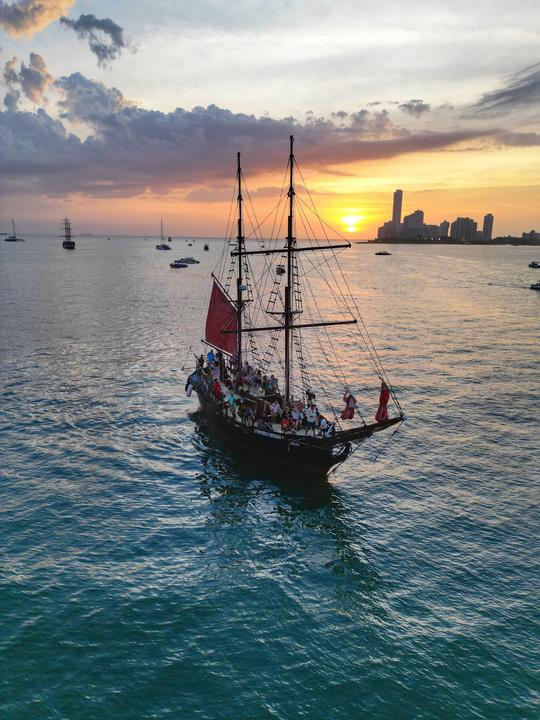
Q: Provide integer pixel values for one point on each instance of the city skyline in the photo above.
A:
(463, 229)
(118, 121)
(414, 226)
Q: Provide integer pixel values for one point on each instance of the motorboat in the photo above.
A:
(534, 265)
(383, 252)
(206, 246)
(535, 286)
(189, 261)
(177, 264)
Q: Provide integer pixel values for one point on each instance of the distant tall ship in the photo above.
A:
(68, 242)
(13, 237)
(273, 379)
(163, 245)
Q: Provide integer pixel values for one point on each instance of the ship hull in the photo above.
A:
(294, 455)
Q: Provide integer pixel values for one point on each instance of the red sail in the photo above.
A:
(221, 316)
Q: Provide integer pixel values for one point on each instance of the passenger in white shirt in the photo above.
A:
(311, 418)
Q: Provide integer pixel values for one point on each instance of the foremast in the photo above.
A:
(288, 314)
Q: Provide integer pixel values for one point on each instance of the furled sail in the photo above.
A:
(221, 316)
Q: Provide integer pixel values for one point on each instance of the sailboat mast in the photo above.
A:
(239, 285)
(162, 238)
(13, 225)
(288, 291)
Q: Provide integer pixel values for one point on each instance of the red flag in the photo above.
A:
(221, 316)
(382, 413)
(350, 404)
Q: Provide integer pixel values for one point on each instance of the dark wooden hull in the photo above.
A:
(295, 455)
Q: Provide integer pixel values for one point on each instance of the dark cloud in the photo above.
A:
(222, 193)
(105, 38)
(520, 139)
(27, 17)
(11, 100)
(30, 80)
(416, 108)
(88, 101)
(522, 89)
(130, 149)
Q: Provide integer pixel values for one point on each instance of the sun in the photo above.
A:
(351, 222)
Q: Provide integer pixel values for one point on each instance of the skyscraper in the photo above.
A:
(413, 225)
(396, 210)
(443, 228)
(487, 230)
(463, 230)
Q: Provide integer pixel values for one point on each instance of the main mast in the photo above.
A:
(239, 286)
(288, 292)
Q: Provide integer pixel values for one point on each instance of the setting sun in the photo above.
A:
(351, 222)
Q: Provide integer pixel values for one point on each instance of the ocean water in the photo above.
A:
(146, 573)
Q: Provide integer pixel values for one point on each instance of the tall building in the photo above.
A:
(413, 224)
(463, 230)
(444, 227)
(386, 231)
(487, 229)
(396, 210)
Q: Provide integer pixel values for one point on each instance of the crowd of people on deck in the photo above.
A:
(253, 398)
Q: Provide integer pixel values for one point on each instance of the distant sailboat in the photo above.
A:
(163, 245)
(13, 238)
(68, 243)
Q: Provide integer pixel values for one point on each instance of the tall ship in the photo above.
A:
(289, 375)
(163, 245)
(13, 237)
(68, 243)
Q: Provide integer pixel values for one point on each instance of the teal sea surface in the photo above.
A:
(147, 573)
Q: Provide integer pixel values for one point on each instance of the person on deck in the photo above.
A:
(296, 420)
(286, 420)
(311, 419)
(231, 404)
(275, 409)
(210, 357)
(216, 371)
(323, 426)
(216, 389)
(247, 416)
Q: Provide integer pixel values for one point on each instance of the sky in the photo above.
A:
(118, 114)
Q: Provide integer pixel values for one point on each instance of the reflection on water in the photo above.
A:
(148, 572)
